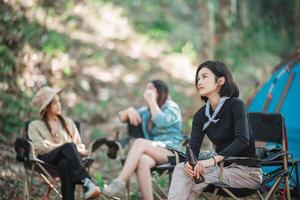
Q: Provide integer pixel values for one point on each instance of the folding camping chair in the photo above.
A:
(267, 128)
(47, 172)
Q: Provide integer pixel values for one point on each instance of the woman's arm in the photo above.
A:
(169, 115)
(130, 114)
(76, 139)
(150, 98)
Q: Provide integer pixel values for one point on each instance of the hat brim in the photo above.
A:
(49, 99)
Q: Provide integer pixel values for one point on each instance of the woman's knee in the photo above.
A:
(63, 165)
(70, 146)
(179, 170)
(139, 143)
(145, 163)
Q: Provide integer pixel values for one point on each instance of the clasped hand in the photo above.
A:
(150, 96)
(199, 168)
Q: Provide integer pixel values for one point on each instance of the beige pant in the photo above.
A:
(183, 186)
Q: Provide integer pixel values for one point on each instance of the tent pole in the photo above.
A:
(267, 103)
(286, 89)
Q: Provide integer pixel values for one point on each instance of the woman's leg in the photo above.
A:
(76, 171)
(67, 187)
(181, 184)
(69, 152)
(139, 147)
(143, 173)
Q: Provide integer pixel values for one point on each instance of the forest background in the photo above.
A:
(103, 53)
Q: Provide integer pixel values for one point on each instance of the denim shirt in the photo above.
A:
(167, 124)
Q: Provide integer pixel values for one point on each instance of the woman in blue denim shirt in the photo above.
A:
(161, 124)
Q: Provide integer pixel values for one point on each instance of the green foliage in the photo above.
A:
(55, 8)
(157, 29)
(14, 112)
(97, 133)
(55, 43)
(7, 62)
(32, 32)
(67, 71)
(188, 125)
(99, 179)
(96, 56)
(134, 195)
(238, 47)
(177, 95)
(161, 180)
(178, 23)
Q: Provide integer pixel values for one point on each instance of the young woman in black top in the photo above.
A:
(224, 120)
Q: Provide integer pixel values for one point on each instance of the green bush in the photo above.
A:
(16, 108)
(55, 43)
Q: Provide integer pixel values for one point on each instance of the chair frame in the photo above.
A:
(279, 175)
(47, 172)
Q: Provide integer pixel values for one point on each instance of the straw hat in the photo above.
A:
(44, 96)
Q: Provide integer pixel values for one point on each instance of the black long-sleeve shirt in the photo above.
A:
(231, 135)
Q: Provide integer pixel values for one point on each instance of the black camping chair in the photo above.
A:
(47, 172)
(266, 128)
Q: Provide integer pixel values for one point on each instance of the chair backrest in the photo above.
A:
(267, 127)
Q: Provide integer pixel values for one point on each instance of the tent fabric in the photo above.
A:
(290, 108)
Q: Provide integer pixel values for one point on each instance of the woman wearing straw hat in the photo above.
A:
(56, 141)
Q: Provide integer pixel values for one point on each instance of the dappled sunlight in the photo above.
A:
(70, 98)
(110, 75)
(32, 75)
(179, 66)
(106, 27)
(130, 78)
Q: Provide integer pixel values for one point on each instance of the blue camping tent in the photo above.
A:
(281, 93)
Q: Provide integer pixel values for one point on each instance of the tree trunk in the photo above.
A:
(207, 29)
(244, 14)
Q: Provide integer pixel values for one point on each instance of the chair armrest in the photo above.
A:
(96, 143)
(246, 161)
(113, 147)
(33, 154)
(274, 156)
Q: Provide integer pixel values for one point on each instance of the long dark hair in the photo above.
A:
(229, 88)
(61, 119)
(162, 91)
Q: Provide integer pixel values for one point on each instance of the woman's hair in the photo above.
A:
(61, 119)
(229, 88)
(162, 91)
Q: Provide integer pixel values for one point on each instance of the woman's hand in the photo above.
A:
(189, 169)
(201, 166)
(82, 150)
(133, 116)
(150, 96)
